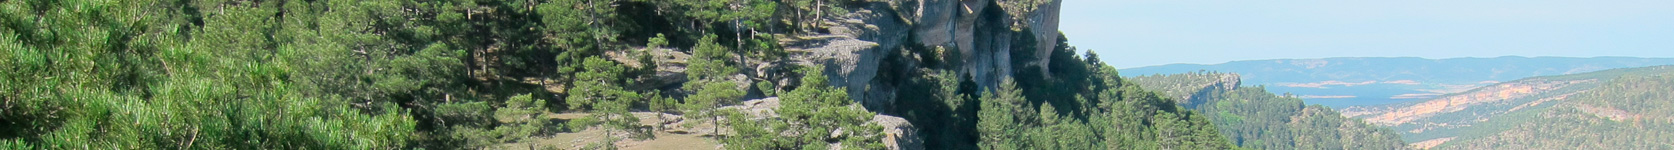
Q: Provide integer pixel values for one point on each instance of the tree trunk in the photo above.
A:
(660, 121)
(715, 118)
(817, 13)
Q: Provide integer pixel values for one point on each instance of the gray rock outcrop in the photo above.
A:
(670, 71)
(861, 49)
(854, 51)
(982, 34)
(898, 133)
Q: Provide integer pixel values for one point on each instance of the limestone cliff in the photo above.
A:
(866, 51)
(858, 46)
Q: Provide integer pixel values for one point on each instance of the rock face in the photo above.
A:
(853, 52)
(670, 71)
(1226, 82)
(1041, 17)
(898, 133)
(864, 47)
(760, 108)
(857, 46)
(1190, 89)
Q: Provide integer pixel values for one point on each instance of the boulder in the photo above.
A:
(898, 133)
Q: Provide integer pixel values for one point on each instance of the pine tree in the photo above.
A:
(661, 105)
(522, 116)
(599, 88)
(959, 118)
(708, 70)
(1000, 121)
(815, 114)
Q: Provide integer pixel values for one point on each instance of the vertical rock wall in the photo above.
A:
(856, 49)
(981, 37)
(980, 32)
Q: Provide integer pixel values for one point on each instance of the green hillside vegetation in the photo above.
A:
(1084, 105)
(1503, 112)
(1627, 111)
(1254, 118)
(468, 74)
(1364, 81)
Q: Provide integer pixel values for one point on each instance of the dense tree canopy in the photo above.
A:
(1083, 105)
(1627, 109)
(1254, 118)
(813, 114)
(474, 74)
(363, 74)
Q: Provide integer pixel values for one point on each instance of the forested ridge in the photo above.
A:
(476, 74)
(1626, 112)
(1254, 118)
(1609, 109)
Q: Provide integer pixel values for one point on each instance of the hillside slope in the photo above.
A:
(571, 74)
(1254, 118)
(1611, 109)
(1352, 81)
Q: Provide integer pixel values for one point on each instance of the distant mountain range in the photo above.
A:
(1612, 109)
(1354, 81)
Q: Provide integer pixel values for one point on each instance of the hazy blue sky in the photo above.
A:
(1136, 33)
